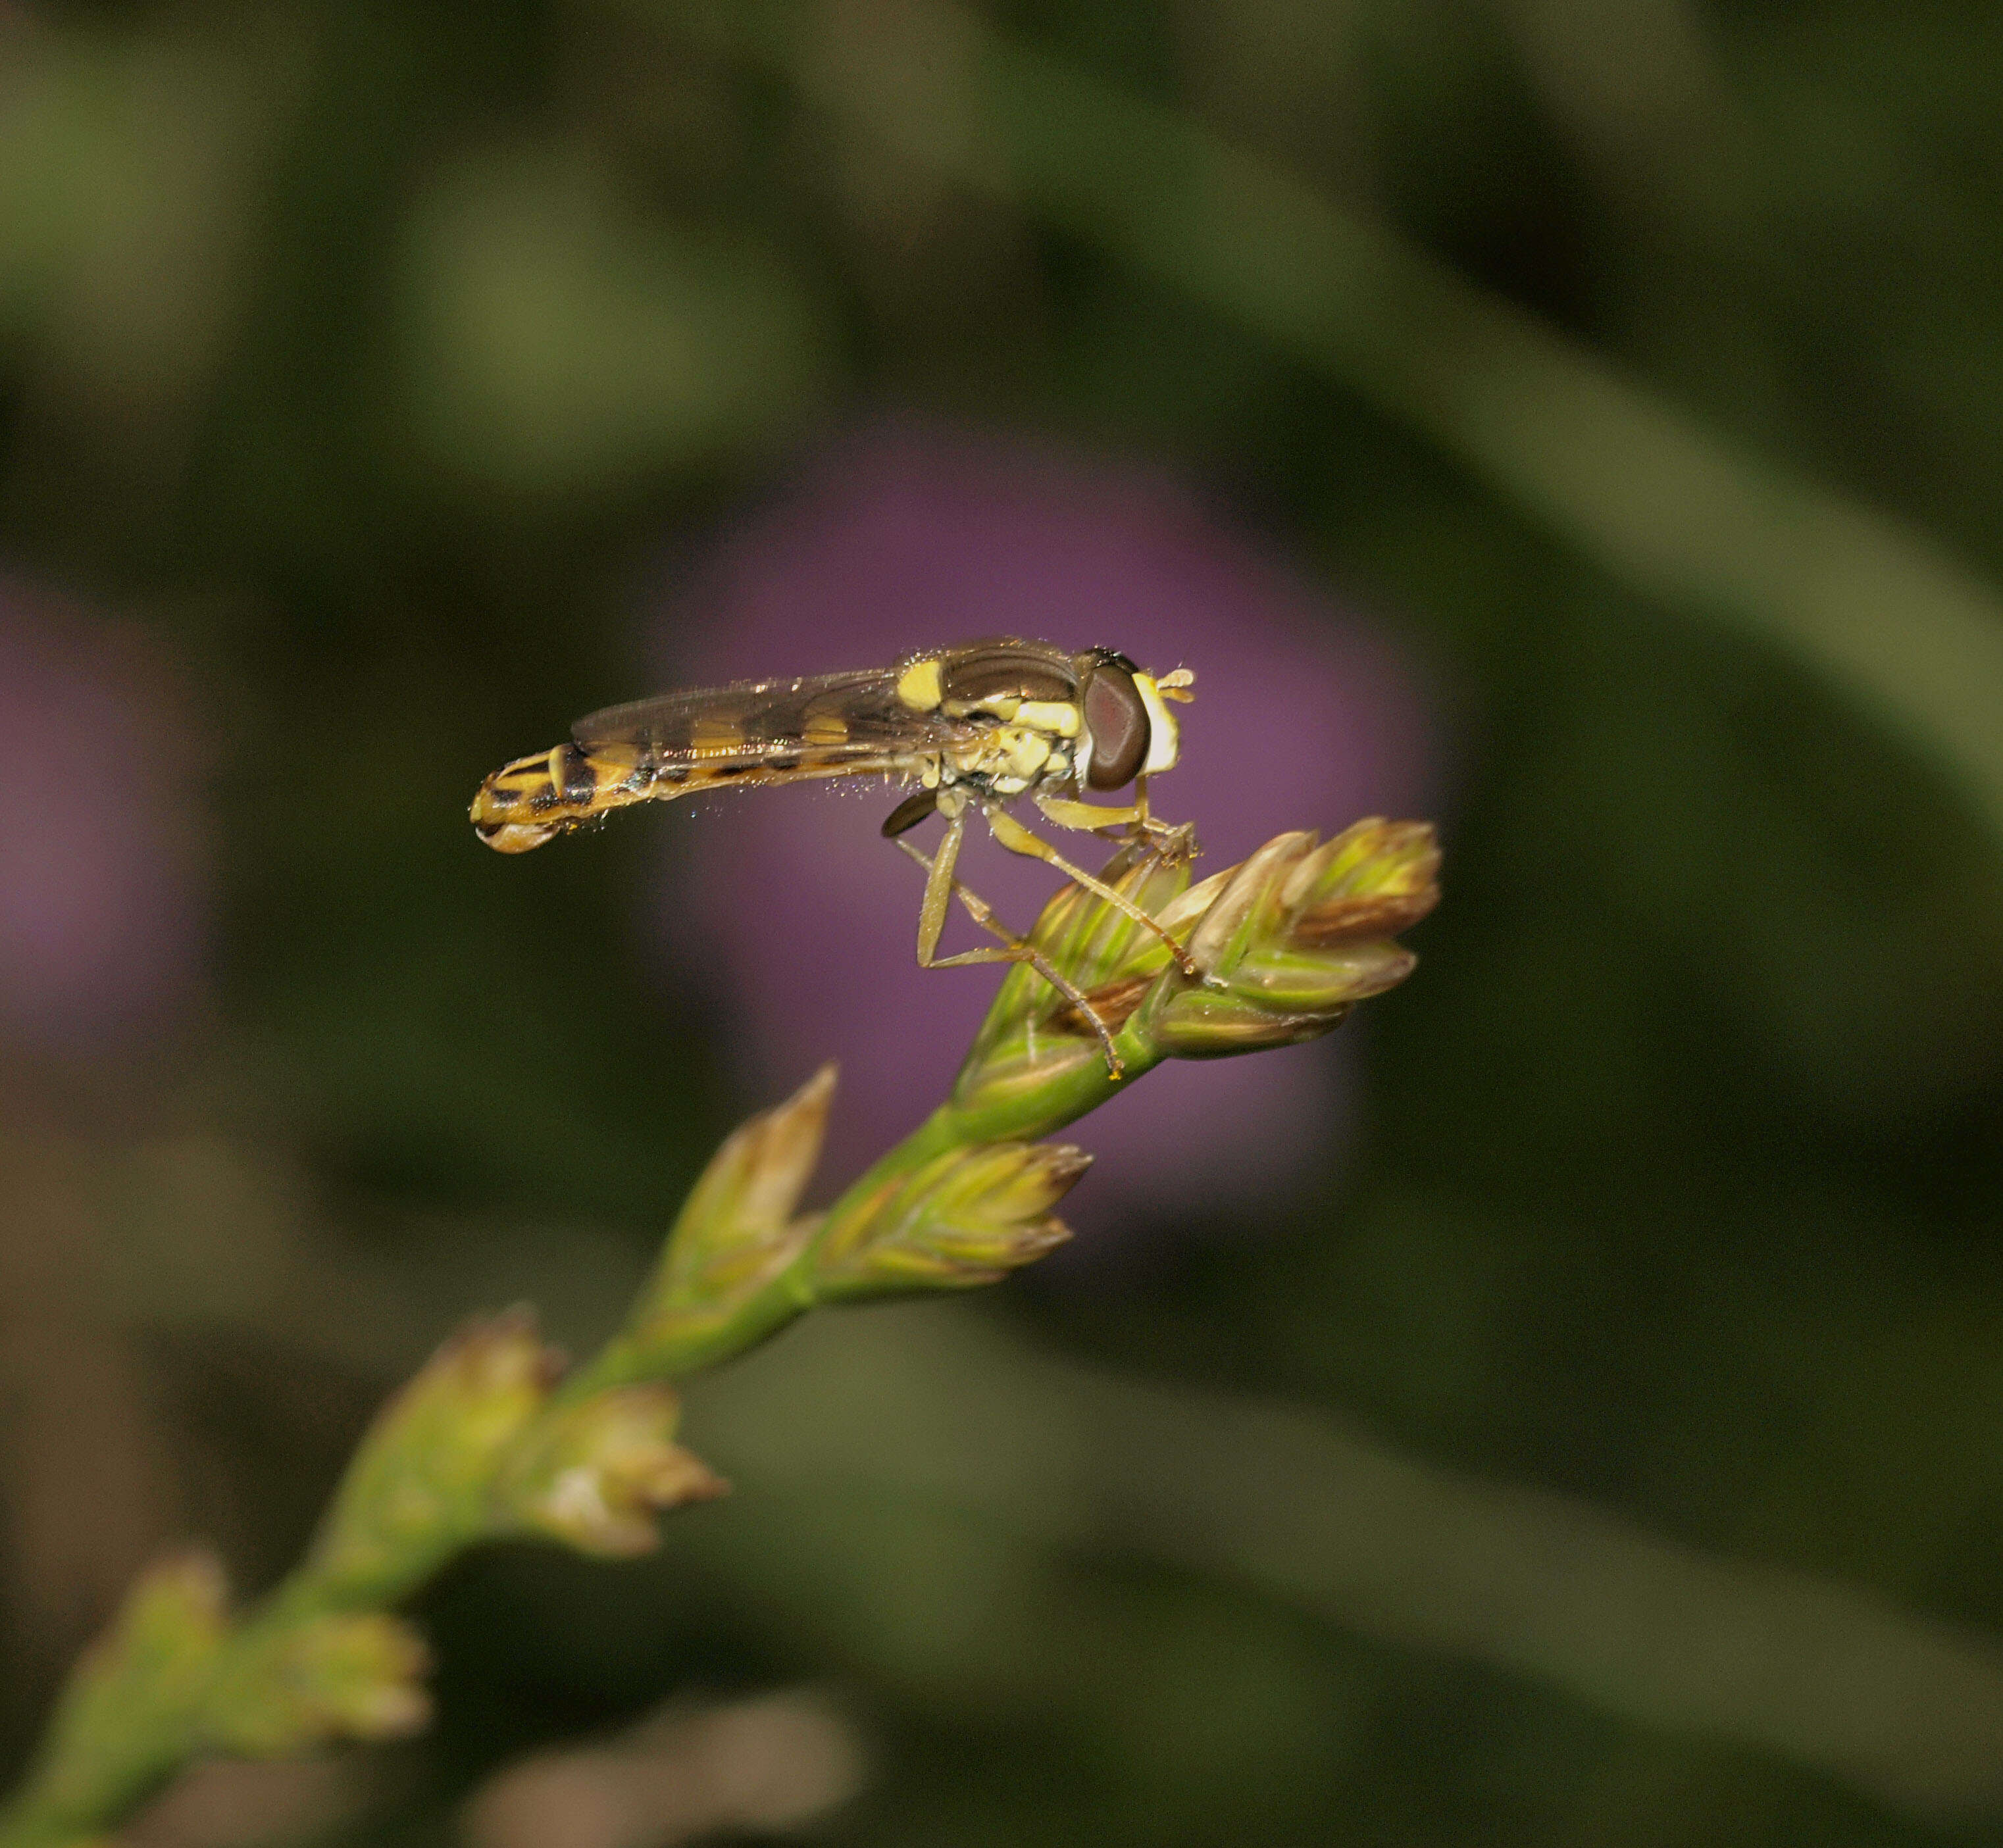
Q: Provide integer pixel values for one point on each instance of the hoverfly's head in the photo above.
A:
(1129, 730)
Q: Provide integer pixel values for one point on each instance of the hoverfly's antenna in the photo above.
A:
(1178, 685)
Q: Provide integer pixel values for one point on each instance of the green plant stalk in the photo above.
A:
(1288, 941)
(622, 1362)
(1022, 1117)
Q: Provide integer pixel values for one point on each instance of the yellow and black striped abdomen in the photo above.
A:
(534, 799)
(907, 720)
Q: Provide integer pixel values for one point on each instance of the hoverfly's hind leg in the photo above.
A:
(942, 888)
(1018, 840)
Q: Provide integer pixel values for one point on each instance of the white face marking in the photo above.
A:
(1164, 735)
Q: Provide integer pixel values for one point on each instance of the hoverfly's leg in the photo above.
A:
(1021, 950)
(1087, 817)
(908, 813)
(940, 883)
(1144, 818)
(1018, 840)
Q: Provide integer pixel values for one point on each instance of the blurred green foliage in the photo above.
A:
(1641, 365)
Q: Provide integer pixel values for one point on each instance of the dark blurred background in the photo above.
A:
(1567, 1409)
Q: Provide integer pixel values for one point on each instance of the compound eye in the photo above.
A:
(1117, 719)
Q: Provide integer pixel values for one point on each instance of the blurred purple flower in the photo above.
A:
(905, 537)
(100, 912)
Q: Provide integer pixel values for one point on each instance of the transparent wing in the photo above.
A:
(830, 717)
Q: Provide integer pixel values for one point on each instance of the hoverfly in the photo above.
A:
(974, 728)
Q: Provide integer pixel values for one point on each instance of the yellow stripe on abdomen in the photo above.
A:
(534, 799)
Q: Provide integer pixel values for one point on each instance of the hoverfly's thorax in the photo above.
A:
(1059, 718)
(1013, 706)
(987, 676)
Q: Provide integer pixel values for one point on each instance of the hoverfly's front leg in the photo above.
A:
(1018, 840)
(942, 888)
(1088, 818)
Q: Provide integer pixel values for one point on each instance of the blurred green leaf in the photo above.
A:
(127, 170)
(559, 338)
